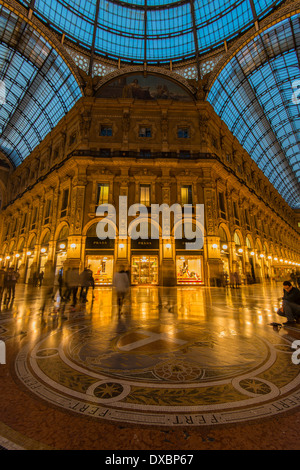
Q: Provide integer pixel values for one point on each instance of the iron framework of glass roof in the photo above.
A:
(152, 31)
(40, 88)
(253, 95)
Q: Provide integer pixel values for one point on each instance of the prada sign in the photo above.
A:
(149, 244)
(95, 243)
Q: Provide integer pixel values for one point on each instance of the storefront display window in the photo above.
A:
(144, 270)
(189, 270)
(102, 268)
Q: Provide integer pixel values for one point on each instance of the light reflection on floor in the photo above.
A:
(176, 356)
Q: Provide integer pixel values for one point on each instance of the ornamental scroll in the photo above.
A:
(210, 212)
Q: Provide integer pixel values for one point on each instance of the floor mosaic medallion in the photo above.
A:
(181, 373)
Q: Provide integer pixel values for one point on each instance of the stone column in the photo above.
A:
(212, 243)
(76, 219)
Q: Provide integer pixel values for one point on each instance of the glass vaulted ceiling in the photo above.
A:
(150, 30)
(40, 88)
(253, 94)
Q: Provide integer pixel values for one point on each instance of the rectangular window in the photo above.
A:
(105, 152)
(183, 132)
(236, 213)
(14, 228)
(255, 224)
(145, 132)
(145, 194)
(103, 192)
(145, 153)
(106, 131)
(47, 212)
(24, 223)
(55, 153)
(64, 202)
(34, 217)
(186, 195)
(247, 220)
(184, 154)
(7, 232)
(73, 138)
(222, 205)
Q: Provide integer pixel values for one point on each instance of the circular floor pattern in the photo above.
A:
(183, 373)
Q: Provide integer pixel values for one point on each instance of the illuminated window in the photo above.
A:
(186, 195)
(103, 191)
(145, 194)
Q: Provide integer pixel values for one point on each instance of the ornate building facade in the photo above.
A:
(152, 138)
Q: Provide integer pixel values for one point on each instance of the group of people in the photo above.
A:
(69, 283)
(234, 280)
(37, 278)
(8, 281)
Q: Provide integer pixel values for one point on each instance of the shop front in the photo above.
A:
(99, 257)
(144, 262)
(189, 265)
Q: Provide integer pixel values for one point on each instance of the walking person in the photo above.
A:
(57, 288)
(290, 304)
(74, 282)
(232, 280)
(67, 293)
(2, 283)
(121, 284)
(8, 284)
(41, 277)
(14, 279)
(85, 283)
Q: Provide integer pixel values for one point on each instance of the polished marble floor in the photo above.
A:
(180, 368)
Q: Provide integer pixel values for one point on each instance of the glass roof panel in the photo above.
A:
(40, 88)
(152, 30)
(253, 95)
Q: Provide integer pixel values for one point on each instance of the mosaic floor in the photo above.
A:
(176, 370)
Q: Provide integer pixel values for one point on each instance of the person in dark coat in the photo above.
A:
(290, 303)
